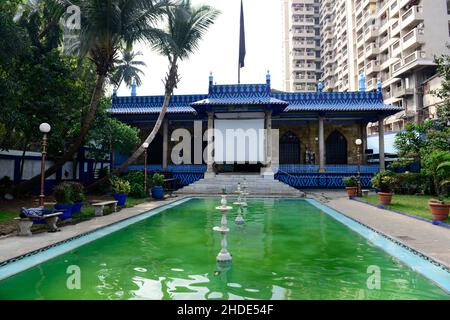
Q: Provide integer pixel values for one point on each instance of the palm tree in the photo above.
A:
(107, 27)
(127, 69)
(186, 26)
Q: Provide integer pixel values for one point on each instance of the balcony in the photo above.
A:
(372, 67)
(394, 8)
(372, 84)
(360, 40)
(303, 22)
(401, 91)
(372, 50)
(308, 55)
(370, 33)
(415, 59)
(305, 67)
(311, 44)
(395, 28)
(328, 24)
(386, 42)
(328, 36)
(413, 39)
(412, 17)
(396, 49)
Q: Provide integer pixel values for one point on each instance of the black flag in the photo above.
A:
(241, 42)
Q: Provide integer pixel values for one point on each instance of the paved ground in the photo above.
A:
(14, 246)
(432, 241)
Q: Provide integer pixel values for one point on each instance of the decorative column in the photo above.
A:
(381, 142)
(267, 171)
(364, 141)
(165, 143)
(321, 146)
(210, 161)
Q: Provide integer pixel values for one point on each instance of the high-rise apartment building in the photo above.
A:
(301, 45)
(392, 41)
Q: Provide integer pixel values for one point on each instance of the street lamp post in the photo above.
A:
(145, 146)
(44, 128)
(358, 143)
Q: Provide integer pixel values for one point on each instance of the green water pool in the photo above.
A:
(287, 249)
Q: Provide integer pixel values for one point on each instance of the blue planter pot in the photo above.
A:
(121, 198)
(67, 208)
(158, 193)
(76, 208)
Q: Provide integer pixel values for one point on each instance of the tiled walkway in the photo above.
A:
(15, 246)
(424, 237)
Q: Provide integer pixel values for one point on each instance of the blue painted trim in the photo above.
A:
(418, 262)
(22, 263)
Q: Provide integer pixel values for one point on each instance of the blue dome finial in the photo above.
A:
(362, 82)
(268, 77)
(379, 85)
(133, 88)
(320, 86)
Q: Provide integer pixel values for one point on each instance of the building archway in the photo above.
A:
(289, 148)
(155, 150)
(336, 148)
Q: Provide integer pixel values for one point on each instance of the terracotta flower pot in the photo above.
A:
(351, 191)
(439, 210)
(385, 198)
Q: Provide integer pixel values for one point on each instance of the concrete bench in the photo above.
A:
(365, 192)
(99, 206)
(25, 224)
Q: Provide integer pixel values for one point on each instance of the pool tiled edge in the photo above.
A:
(21, 263)
(417, 261)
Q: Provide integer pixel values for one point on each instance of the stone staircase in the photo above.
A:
(256, 185)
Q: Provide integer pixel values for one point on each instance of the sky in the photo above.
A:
(218, 51)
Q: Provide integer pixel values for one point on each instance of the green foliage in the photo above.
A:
(349, 181)
(384, 181)
(410, 183)
(5, 185)
(119, 185)
(136, 180)
(127, 69)
(77, 192)
(433, 169)
(108, 134)
(63, 193)
(158, 179)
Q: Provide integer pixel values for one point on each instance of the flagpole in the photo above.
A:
(239, 73)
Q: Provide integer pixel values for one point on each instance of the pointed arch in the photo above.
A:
(336, 148)
(289, 148)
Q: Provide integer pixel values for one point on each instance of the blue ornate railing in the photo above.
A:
(307, 176)
(295, 175)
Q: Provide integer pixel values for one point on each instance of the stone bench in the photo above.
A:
(99, 206)
(25, 224)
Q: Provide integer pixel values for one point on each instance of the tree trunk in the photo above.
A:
(170, 84)
(22, 160)
(96, 95)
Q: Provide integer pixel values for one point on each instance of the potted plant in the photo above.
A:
(439, 208)
(63, 196)
(350, 186)
(120, 188)
(77, 196)
(384, 182)
(157, 189)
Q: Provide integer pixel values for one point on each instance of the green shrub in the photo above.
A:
(77, 192)
(410, 183)
(349, 181)
(384, 181)
(158, 180)
(63, 193)
(430, 168)
(136, 180)
(119, 185)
